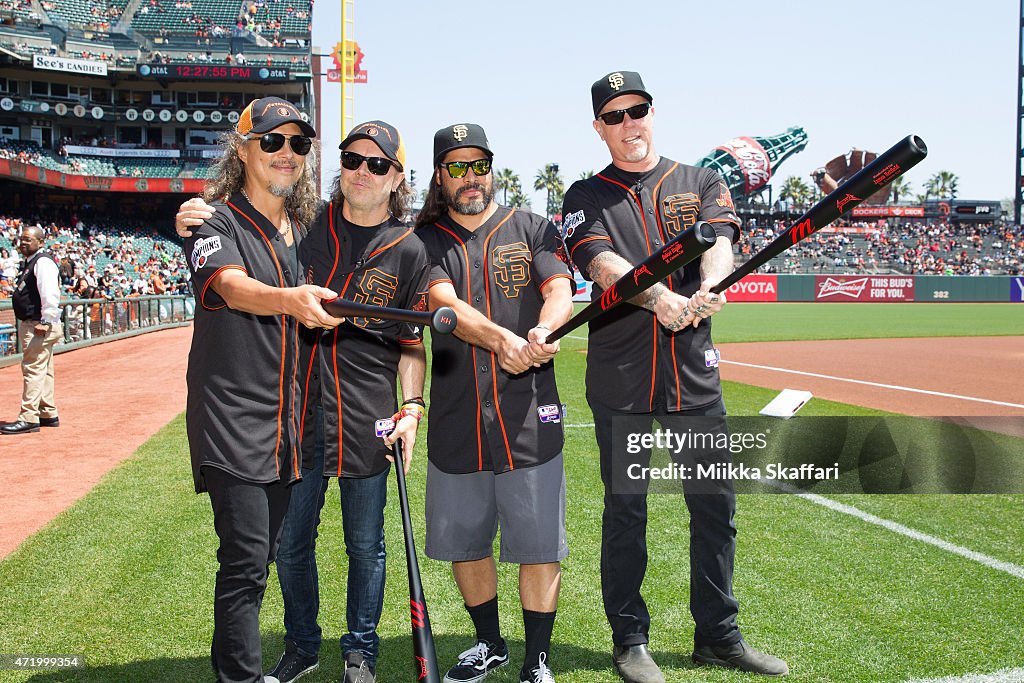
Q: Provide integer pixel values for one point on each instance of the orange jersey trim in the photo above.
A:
(469, 297)
(555, 277)
(209, 282)
(588, 239)
(494, 375)
(284, 339)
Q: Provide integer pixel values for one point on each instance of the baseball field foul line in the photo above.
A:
(875, 384)
(1001, 676)
(1008, 567)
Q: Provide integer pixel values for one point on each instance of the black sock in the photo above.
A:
(538, 638)
(485, 619)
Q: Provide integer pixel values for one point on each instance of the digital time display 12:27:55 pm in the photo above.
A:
(211, 72)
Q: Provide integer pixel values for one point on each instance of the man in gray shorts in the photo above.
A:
(494, 441)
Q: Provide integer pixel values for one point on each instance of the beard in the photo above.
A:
(468, 207)
(283, 191)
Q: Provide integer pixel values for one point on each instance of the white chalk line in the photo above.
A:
(876, 384)
(981, 558)
(1001, 676)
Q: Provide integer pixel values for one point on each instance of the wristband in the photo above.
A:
(416, 400)
(409, 411)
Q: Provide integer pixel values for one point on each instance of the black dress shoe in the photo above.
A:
(740, 656)
(20, 427)
(49, 422)
(635, 664)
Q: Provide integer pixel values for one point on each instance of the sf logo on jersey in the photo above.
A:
(511, 263)
(681, 211)
(376, 288)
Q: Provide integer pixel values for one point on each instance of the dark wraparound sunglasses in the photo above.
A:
(272, 142)
(457, 169)
(375, 165)
(637, 111)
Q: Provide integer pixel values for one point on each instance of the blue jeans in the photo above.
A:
(362, 510)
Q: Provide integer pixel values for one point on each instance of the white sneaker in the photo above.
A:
(540, 673)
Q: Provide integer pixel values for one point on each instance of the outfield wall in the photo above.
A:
(877, 288)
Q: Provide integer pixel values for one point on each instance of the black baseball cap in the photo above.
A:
(266, 114)
(382, 134)
(615, 84)
(457, 136)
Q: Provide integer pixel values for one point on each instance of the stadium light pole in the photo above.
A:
(1019, 156)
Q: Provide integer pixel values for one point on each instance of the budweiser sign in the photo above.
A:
(864, 288)
(850, 288)
(753, 161)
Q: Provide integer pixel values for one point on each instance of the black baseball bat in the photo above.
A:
(442, 320)
(888, 166)
(687, 246)
(424, 655)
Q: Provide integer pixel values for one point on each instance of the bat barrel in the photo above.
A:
(888, 166)
(443, 320)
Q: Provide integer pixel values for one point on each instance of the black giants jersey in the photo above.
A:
(241, 367)
(482, 418)
(353, 368)
(631, 358)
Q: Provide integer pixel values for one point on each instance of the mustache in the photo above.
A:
(473, 186)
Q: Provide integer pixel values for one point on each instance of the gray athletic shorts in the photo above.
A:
(464, 512)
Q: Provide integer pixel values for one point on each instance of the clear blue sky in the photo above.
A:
(852, 75)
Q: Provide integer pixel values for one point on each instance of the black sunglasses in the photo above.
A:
(272, 142)
(457, 169)
(375, 165)
(637, 111)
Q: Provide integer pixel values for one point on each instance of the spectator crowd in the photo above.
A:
(910, 248)
(100, 262)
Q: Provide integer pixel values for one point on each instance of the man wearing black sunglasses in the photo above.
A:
(494, 441)
(242, 390)
(359, 246)
(656, 359)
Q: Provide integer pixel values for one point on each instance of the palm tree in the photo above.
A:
(505, 179)
(549, 180)
(586, 174)
(899, 187)
(796, 190)
(945, 184)
(518, 199)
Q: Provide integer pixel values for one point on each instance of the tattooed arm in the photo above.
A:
(670, 308)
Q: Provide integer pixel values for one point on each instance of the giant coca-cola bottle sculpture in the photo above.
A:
(747, 163)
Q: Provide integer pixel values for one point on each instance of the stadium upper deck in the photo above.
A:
(138, 90)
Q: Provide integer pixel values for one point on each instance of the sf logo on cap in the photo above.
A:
(371, 131)
(616, 80)
(460, 132)
(283, 111)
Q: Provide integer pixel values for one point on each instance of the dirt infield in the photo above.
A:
(111, 398)
(982, 373)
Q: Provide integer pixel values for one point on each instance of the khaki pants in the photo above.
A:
(37, 371)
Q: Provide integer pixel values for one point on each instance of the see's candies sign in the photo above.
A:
(754, 288)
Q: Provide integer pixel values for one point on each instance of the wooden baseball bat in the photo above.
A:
(442, 320)
(424, 654)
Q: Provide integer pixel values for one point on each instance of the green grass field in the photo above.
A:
(744, 322)
(125, 577)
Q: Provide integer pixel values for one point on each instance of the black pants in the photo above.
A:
(248, 522)
(624, 549)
